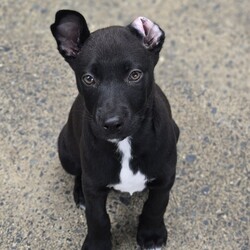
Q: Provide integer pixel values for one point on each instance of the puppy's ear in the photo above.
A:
(70, 31)
(151, 34)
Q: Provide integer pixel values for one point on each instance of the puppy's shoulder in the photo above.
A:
(161, 104)
(164, 125)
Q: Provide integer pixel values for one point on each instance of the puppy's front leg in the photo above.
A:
(152, 233)
(99, 236)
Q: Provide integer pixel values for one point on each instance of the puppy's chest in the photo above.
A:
(128, 180)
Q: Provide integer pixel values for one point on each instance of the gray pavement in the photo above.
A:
(204, 70)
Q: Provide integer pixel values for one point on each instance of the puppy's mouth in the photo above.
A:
(116, 137)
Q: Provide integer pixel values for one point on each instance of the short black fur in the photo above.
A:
(110, 107)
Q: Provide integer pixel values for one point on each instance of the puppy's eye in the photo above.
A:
(135, 76)
(88, 80)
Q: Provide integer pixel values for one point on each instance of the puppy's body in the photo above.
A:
(120, 133)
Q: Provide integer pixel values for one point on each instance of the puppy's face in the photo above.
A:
(114, 70)
(114, 73)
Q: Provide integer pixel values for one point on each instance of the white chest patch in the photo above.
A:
(129, 182)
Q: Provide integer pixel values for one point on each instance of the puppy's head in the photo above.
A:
(114, 70)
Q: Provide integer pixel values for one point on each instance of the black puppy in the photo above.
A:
(120, 133)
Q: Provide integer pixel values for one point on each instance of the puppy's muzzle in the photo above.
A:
(113, 124)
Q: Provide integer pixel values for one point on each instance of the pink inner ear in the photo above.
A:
(138, 25)
(149, 30)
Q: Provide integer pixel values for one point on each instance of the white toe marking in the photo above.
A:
(82, 207)
(129, 182)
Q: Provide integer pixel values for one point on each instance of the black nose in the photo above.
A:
(113, 123)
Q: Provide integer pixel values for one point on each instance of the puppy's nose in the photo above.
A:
(113, 123)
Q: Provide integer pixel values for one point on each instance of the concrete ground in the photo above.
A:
(204, 70)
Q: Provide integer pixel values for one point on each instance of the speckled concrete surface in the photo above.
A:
(203, 69)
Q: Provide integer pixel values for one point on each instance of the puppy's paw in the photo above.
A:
(79, 199)
(151, 238)
(78, 196)
(96, 244)
(80, 204)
